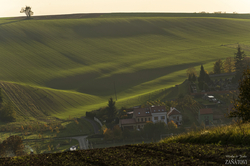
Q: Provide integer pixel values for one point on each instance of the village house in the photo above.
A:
(159, 113)
(142, 115)
(138, 120)
(175, 115)
(206, 115)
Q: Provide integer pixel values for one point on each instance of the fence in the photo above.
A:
(98, 121)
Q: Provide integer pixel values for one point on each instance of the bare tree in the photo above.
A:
(27, 11)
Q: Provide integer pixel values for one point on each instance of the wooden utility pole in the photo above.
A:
(115, 91)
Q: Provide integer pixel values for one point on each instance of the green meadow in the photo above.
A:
(62, 67)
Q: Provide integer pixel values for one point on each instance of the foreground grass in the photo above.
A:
(141, 154)
(193, 148)
(229, 134)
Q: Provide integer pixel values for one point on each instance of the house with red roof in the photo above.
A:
(175, 115)
(206, 116)
(142, 115)
(138, 120)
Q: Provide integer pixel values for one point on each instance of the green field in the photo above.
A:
(62, 67)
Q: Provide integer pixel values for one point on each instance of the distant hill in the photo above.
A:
(81, 60)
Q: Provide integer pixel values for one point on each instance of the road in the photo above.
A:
(95, 125)
(81, 139)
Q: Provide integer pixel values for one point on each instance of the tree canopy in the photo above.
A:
(241, 105)
(27, 11)
(12, 144)
(229, 65)
(203, 78)
(218, 67)
(239, 57)
(111, 109)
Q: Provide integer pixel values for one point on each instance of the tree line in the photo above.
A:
(236, 64)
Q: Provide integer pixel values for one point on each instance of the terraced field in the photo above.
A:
(63, 67)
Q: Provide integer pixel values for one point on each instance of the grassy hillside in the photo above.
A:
(75, 62)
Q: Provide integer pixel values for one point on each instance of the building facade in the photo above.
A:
(175, 115)
(206, 116)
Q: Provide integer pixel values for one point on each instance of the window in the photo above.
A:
(139, 113)
(162, 117)
(159, 110)
(142, 119)
(155, 118)
(154, 110)
(174, 117)
(148, 119)
(177, 117)
(138, 120)
(145, 119)
(162, 109)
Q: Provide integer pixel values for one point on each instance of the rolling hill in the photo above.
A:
(68, 66)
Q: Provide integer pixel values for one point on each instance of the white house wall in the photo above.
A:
(159, 117)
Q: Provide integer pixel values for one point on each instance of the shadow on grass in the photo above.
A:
(13, 22)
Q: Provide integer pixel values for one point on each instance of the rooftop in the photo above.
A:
(127, 121)
(206, 111)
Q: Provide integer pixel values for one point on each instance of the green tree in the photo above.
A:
(218, 67)
(201, 85)
(13, 144)
(246, 62)
(117, 132)
(241, 105)
(27, 11)
(193, 78)
(111, 109)
(108, 134)
(203, 78)
(191, 71)
(229, 65)
(8, 113)
(202, 74)
(172, 125)
(239, 57)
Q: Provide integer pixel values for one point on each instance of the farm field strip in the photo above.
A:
(145, 154)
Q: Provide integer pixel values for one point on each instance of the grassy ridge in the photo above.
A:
(85, 56)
